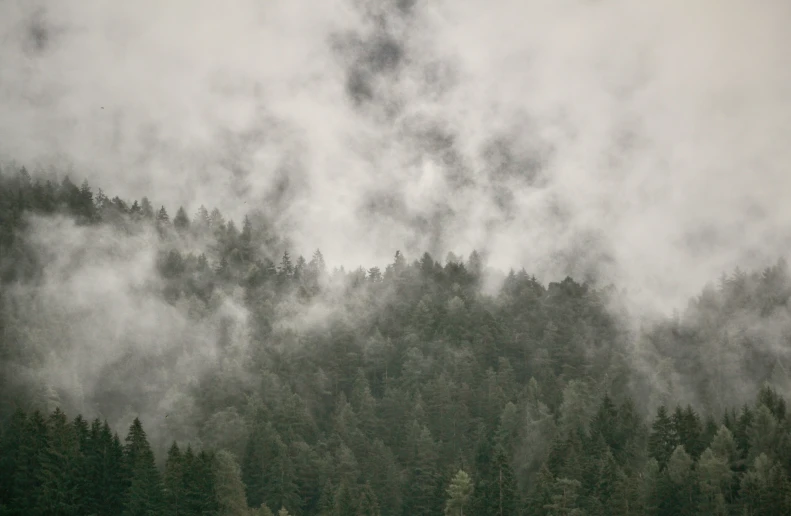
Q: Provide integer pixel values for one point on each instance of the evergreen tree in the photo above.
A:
(181, 221)
(267, 470)
(201, 223)
(495, 490)
(421, 497)
(146, 209)
(541, 493)
(689, 430)
(346, 500)
(198, 478)
(11, 442)
(173, 483)
(104, 471)
(286, 268)
(714, 477)
(459, 492)
(144, 495)
(677, 487)
(27, 479)
(57, 470)
(263, 510)
(367, 505)
(228, 485)
(663, 439)
(564, 499)
(765, 488)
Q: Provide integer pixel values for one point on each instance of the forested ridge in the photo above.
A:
(403, 390)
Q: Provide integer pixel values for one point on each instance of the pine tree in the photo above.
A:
(564, 499)
(421, 497)
(246, 239)
(228, 485)
(173, 483)
(11, 442)
(459, 493)
(267, 471)
(181, 221)
(262, 510)
(326, 502)
(606, 423)
(115, 495)
(27, 479)
(57, 469)
(254, 466)
(714, 477)
(198, 478)
(678, 487)
(144, 494)
(741, 432)
(626, 499)
(104, 473)
(146, 209)
(765, 488)
(663, 439)
(763, 434)
(689, 429)
(286, 267)
(80, 464)
(201, 223)
(346, 499)
(368, 505)
(495, 491)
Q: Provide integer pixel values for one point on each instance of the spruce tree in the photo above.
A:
(346, 499)
(57, 471)
(27, 478)
(663, 439)
(181, 221)
(367, 505)
(173, 483)
(144, 495)
(459, 492)
(11, 441)
(228, 485)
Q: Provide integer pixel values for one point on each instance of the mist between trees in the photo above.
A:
(252, 379)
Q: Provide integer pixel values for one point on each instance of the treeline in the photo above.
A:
(50, 465)
(409, 390)
(680, 465)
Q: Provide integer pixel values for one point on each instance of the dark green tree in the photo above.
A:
(144, 495)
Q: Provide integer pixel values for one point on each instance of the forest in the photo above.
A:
(268, 384)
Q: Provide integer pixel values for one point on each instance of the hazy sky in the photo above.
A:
(643, 141)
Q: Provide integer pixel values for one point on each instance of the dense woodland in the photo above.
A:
(410, 390)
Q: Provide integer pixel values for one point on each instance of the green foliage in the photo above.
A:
(369, 392)
(459, 492)
(228, 486)
(144, 496)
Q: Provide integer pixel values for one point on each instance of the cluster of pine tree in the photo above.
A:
(418, 393)
(614, 465)
(681, 465)
(51, 465)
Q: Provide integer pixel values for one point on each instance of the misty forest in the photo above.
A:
(395, 258)
(263, 382)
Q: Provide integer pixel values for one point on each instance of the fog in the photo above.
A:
(639, 142)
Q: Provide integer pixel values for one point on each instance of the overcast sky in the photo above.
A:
(641, 142)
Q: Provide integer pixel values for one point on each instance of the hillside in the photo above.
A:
(363, 391)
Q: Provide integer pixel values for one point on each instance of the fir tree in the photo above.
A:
(459, 492)
(173, 483)
(181, 221)
(144, 494)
